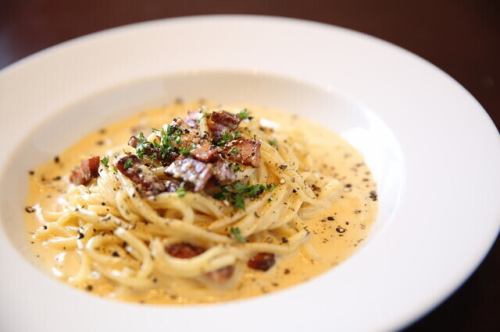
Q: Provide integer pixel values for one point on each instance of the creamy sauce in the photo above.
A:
(336, 233)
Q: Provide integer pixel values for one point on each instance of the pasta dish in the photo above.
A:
(195, 203)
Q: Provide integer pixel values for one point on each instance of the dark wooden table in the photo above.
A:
(461, 37)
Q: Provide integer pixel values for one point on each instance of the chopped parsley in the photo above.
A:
(144, 147)
(235, 167)
(168, 140)
(234, 151)
(236, 193)
(166, 149)
(273, 142)
(181, 191)
(243, 114)
(185, 151)
(128, 163)
(227, 137)
(105, 161)
(236, 234)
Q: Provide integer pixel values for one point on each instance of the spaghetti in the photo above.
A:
(204, 199)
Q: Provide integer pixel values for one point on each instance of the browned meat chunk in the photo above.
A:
(147, 182)
(205, 152)
(184, 250)
(243, 151)
(220, 122)
(223, 172)
(133, 141)
(262, 261)
(191, 170)
(192, 119)
(89, 169)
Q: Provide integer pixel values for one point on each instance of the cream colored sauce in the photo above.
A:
(336, 233)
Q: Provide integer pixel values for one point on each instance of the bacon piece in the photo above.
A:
(184, 250)
(133, 141)
(191, 170)
(243, 151)
(205, 152)
(262, 261)
(221, 275)
(171, 185)
(192, 119)
(147, 182)
(220, 122)
(89, 169)
(223, 173)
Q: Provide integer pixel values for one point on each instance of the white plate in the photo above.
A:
(433, 149)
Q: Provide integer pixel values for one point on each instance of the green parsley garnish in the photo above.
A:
(144, 147)
(105, 161)
(236, 234)
(235, 167)
(168, 140)
(185, 151)
(166, 149)
(128, 163)
(243, 114)
(181, 191)
(273, 142)
(236, 193)
(234, 151)
(227, 137)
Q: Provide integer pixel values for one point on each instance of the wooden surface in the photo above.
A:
(460, 37)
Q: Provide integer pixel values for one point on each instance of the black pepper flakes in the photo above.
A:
(30, 172)
(330, 218)
(340, 229)
(29, 209)
(56, 159)
(373, 195)
(89, 288)
(115, 254)
(57, 178)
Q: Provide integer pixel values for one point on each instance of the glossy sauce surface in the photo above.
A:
(336, 232)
